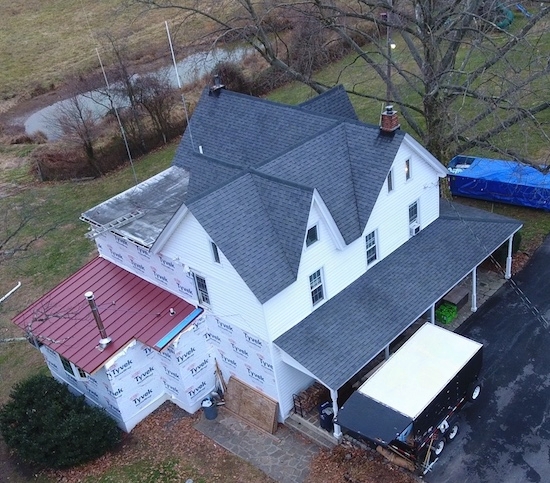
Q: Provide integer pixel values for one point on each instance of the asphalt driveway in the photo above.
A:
(505, 435)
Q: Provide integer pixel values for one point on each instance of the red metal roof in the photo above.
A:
(130, 308)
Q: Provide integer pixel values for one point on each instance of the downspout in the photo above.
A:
(508, 273)
(474, 290)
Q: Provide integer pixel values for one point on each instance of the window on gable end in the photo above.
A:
(312, 236)
(316, 287)
(390, 181)
(370, 242)
(215, 252)
(408, 169)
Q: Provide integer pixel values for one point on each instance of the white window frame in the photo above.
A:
(202, 293)
(414, 205)
(408, 171)
(371, 243)
(74, 371)
(316, 286)
(309, 243)
(215, 252)
(390, 181)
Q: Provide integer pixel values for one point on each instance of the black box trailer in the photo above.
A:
(408, 408)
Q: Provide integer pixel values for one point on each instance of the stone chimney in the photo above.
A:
(389, 122)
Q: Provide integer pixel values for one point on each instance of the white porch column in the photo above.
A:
(474, 290)
(432, 314)
(508, 273)
(337, 432)
(387, 352)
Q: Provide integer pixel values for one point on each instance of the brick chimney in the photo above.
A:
(389, 122)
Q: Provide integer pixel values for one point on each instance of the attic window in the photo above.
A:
(390, 181)
(408, 169)
(312, 236)
(215, 252)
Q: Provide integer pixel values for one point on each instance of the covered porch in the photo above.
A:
(338, 344)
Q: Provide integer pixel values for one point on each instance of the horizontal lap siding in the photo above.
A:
(230, 297)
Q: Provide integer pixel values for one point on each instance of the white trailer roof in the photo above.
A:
(416, 373)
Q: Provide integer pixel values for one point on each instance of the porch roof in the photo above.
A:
(344, 334)
(130, 308)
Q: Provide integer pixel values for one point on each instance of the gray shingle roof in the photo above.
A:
(334, 102)
(339, 338)
(259, 224)
(273, 147)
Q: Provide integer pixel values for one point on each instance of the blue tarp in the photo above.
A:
(503, 181)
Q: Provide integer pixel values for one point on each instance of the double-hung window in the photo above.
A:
(202, 290)
(413, 213)
(316, 287)
(370, 242)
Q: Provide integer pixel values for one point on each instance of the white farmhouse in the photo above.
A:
(285, 245)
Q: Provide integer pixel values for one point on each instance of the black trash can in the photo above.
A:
(210, 409)
(326, 416)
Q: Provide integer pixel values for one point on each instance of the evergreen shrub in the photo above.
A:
(46, 425)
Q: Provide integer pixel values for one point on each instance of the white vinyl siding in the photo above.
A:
(226, 289)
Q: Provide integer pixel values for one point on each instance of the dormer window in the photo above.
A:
(311, 236)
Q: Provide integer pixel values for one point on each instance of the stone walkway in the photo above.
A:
(286, 455)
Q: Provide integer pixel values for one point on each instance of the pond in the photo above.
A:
(190, 69)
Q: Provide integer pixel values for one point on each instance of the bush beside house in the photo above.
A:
(47, 425)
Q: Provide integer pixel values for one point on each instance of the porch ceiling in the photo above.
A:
(344, 334)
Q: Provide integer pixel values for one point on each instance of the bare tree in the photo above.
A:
(461, 76)
(155, 94)
(79, 124)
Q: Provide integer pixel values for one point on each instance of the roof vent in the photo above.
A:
(217, 87)
(389, 122)
(105, 339)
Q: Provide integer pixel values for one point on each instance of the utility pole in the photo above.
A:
(389, 46)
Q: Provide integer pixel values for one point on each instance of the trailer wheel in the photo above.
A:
(453, 431)
(439, 445)
(474, 391)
